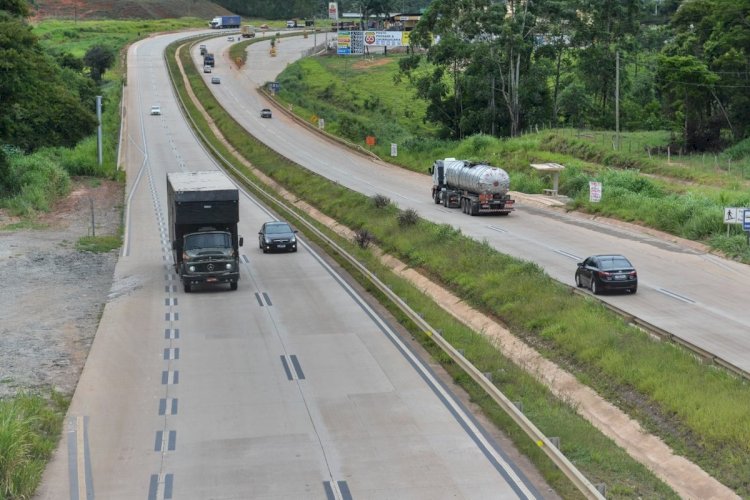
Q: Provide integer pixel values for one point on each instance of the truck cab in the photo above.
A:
(203, 216)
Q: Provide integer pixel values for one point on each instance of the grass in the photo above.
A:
(691, 406)
(30, 427)
(78, 37)
(98, 244)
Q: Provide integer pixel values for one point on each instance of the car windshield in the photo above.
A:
(614, 263)
(278, 229)
(207, 240)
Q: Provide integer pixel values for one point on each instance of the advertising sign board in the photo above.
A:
(595, 192)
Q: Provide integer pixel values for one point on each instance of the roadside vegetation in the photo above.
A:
(30, 427)
(690, 405)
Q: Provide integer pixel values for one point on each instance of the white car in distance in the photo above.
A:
(155, 109)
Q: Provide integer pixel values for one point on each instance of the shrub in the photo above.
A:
(381, 201)
(408, 217)
(363, 238)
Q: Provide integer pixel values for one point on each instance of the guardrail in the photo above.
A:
(557, 457)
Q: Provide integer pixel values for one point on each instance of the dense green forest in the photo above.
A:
(500, 67)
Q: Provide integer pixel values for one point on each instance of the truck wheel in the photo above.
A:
(473, 209)
(436, 196)
(233, 285)
(186, 287)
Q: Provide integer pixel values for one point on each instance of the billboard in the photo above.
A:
(386, 38)
(344, 43)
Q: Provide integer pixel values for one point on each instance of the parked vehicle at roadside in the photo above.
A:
(265, 113)
(602, 273)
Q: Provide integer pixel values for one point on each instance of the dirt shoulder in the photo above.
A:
(53, 294)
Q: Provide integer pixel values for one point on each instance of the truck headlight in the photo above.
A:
(229, 266)
(191, 269)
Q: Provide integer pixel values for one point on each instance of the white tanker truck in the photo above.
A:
(475, 187)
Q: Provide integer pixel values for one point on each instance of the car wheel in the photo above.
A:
(633, 290)
(233, 285)
(579, 284)
(265, 250)
(186, 287)
(595, 287)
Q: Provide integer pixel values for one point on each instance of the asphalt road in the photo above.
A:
(290, 387)
(696, 296)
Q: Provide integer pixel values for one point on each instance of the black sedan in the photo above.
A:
(277, 235)
(607, 272)
(265, 113)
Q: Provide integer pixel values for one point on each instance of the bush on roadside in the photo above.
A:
(408, 217)
(381, 201)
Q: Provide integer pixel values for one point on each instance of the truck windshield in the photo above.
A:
(207, 240)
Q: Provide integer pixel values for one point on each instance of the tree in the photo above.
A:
(18, 8)
(482, 52)
(98, 58)
(39, 107)
(710, 53)
(601, 28)
(373, 7)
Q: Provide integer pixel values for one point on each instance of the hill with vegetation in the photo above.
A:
(125, 9)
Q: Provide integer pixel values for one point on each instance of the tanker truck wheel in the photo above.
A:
(473, 209)
(436, 196)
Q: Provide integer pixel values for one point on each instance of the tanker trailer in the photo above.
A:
(475, 187)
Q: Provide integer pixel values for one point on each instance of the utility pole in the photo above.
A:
(617, 100)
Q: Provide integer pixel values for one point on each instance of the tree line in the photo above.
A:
(499, 67)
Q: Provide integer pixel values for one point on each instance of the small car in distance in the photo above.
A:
(602, 273)
(215, 79)
(155, 109)
(277, 235)
(230, 39)
(206, 69)
(265, 113)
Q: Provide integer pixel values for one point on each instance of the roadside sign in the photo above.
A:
(275, 87)
(746, 220)
(733, 215)
(394, 149)
(595, 192)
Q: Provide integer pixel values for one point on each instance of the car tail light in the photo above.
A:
(604, 274)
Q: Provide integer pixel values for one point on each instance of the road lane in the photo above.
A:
(290, 387)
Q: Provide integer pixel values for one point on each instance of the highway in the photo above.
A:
(290, 387)
(696, 296)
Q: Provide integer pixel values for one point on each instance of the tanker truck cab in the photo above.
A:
(475, 187)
